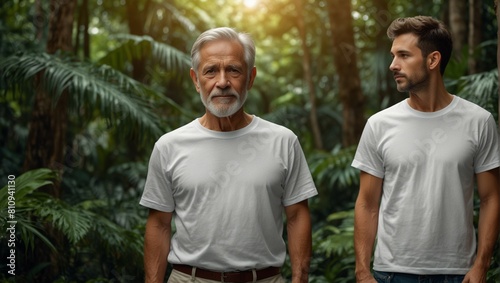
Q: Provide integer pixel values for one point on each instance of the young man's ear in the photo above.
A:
(434, 60)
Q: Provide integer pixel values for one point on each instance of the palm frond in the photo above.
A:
(178, 15)
(333, 169)
(74, 222)
(19, 187)
(117, 97)
(29, 230)
(137, 47)
(20, 193)
(115, 236)
(482, 89)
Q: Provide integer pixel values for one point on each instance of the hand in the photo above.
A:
(368, 278)
(475, 275)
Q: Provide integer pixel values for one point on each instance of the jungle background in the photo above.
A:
(87, 86)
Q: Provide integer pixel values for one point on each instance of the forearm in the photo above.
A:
(300, 245)
(156, 248)
(365, 230)
(488, 184)
(488, 228)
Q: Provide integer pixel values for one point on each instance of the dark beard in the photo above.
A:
(416, 85)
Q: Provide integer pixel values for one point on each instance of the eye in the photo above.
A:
(234, 71)
(209, 72)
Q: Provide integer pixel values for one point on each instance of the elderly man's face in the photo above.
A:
(222, 77)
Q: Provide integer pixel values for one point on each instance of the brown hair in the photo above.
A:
(432, 35)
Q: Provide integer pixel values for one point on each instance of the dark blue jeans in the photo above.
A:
(391, 277)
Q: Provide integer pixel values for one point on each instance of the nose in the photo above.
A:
(393, 66)
(222, 81)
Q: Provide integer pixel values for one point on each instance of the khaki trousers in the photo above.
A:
(179, 277)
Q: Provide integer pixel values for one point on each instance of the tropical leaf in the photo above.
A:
(342, 215)
(333, 246)
(136, 47)
(178, 15)
(25, 184)
(482, 89)
(118, 98)
(74, 222)
(115, 236)
(20, 194)
(29, 231)
(333, 169)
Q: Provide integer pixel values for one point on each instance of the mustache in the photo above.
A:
(219, 92)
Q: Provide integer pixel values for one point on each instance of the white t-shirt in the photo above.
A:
(228, 190)
(428, 162)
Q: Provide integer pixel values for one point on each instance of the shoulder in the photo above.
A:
(178, 134)
(472, 109)
(393, 112)
(273, 128)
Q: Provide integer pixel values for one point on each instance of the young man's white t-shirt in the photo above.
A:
(428, 162)
(228, 190)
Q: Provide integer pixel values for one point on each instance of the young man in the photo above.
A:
(418, 162)
(226, 179)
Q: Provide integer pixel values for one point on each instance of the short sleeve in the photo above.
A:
(368, 157)
(299, 184)
(158, 187)
(488, 153)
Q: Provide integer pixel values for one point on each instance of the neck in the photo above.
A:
(434, 98)
(234, 122)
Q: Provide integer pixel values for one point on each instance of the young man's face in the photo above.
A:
(222, 77)
(408, 64)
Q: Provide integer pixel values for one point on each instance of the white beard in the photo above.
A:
(223, 109)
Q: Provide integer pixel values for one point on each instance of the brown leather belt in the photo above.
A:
(232, 277)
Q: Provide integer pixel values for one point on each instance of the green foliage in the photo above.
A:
(138, 47)
(481, 89)
(86, 228)
(16, 206)
(118, 97)
(333, 259)
(26, 184)
(336, 179)
(95, 228)
(334, 168)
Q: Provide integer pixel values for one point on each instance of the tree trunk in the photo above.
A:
(458, 26)
(497, 11)
(475, 34)
(136, 15)
(344, 53)
(39, 20)
(386, 88)
(136, 20)
(306, 64)
(46, 138)
(82, 29)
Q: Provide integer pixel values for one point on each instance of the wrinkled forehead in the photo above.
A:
(228, 50)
